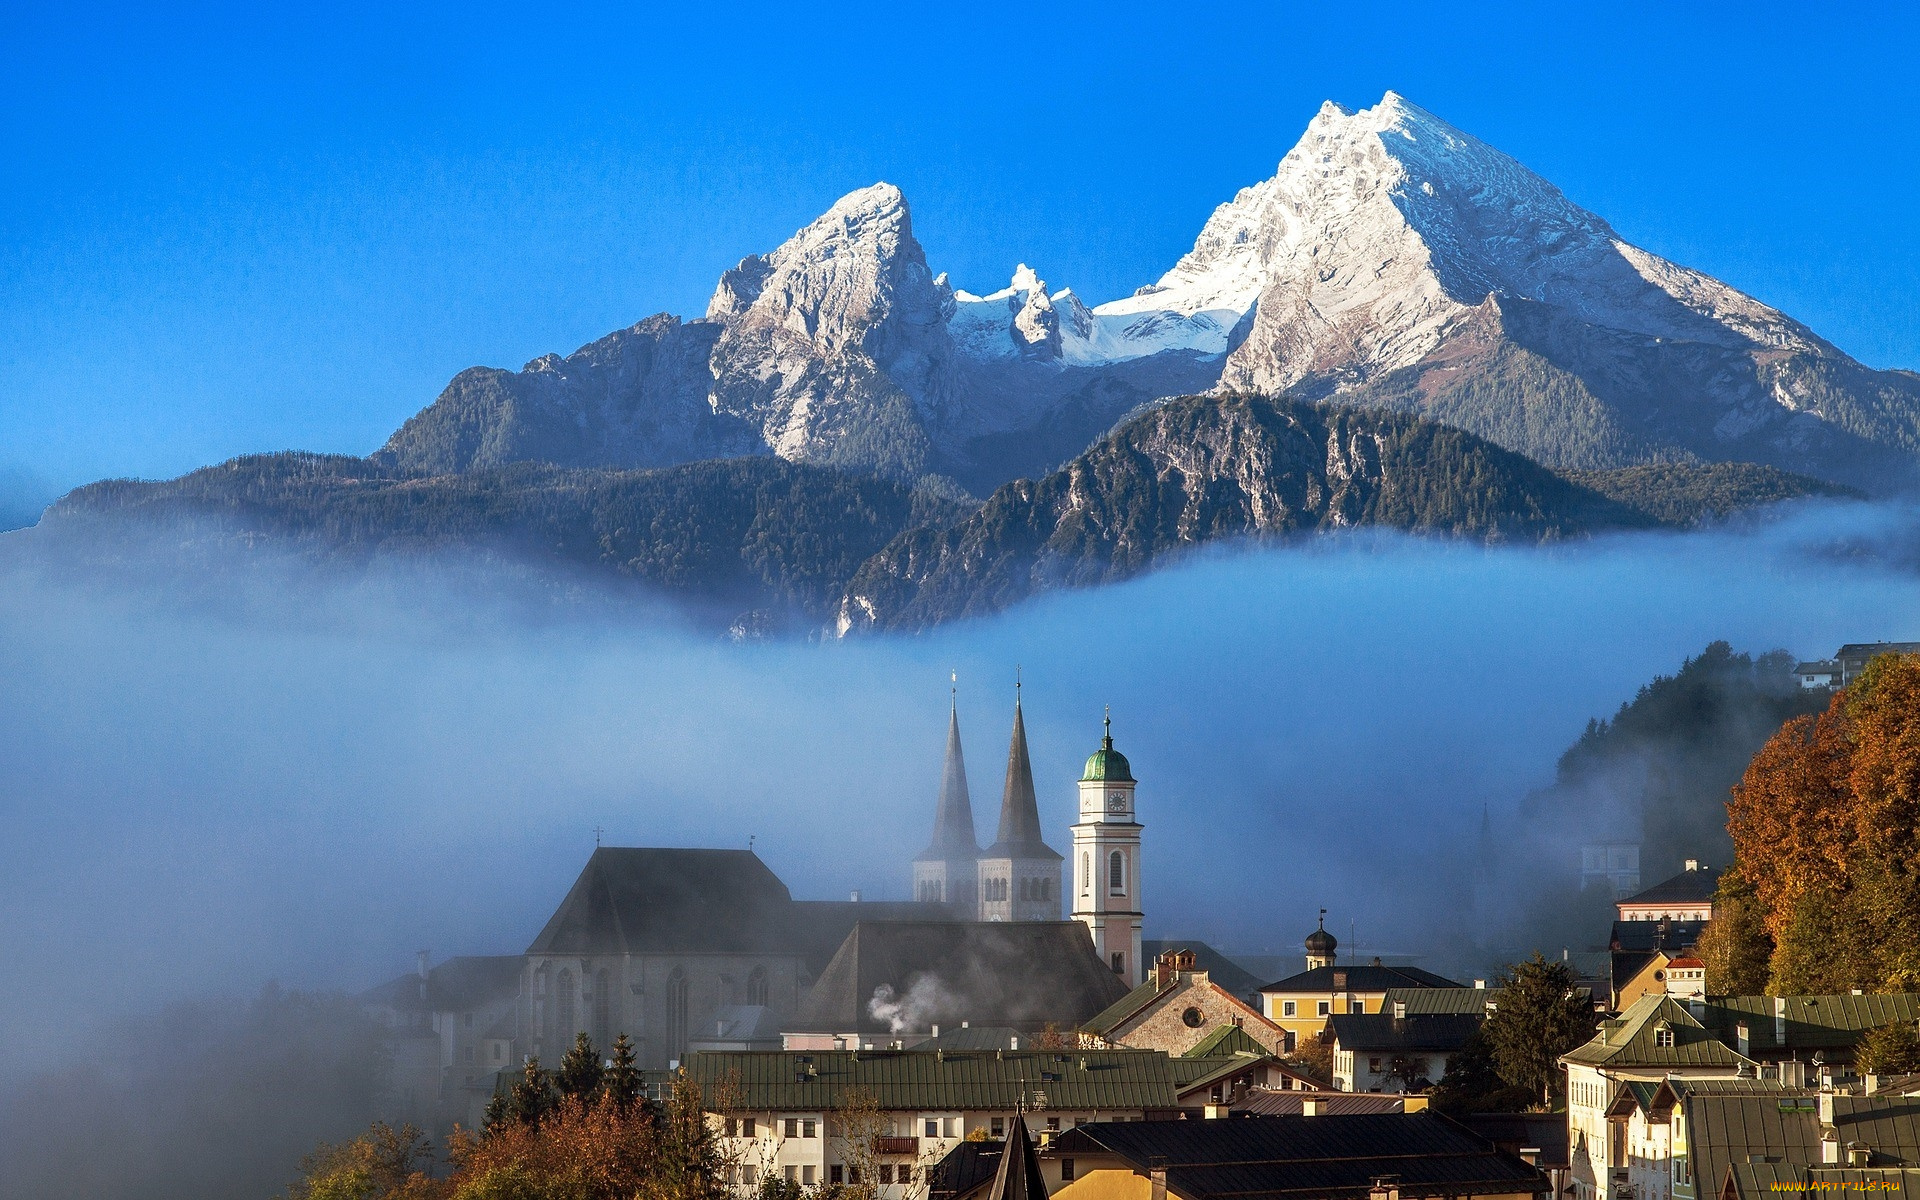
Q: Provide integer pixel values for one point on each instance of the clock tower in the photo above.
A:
(1106, 860)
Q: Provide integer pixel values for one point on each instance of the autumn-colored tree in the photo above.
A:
(1890, 1049)
(383, 1163)
(1826, 831)
(1314, 1056)
(575, 1152)
(1736, 947)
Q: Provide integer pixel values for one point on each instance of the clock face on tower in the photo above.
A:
(1117, 802)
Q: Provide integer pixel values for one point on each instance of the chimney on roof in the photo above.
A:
(1399, 1010)
(1165, 968)
(420, 958)
(1312, 1106)
(936, 1031)
(1693, 864)
(1480, 985)
(856, 896)
(1013, 1043)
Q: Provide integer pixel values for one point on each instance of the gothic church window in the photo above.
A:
(677, 1013)
(1117, 874)
(563, 1002)
(603, 1008)
(757, 986)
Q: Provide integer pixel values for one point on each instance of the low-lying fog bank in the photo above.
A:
(205, 794)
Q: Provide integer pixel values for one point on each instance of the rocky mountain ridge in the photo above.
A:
(1391, 261)
(761, 545)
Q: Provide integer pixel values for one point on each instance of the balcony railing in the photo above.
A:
(896, 1145)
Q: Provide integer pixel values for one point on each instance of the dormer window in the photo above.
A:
(1663, 1035)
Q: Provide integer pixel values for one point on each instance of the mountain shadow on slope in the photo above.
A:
(774, 539)
(1205, 468)
(1577, 396)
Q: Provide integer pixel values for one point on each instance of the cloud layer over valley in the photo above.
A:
(200, 801)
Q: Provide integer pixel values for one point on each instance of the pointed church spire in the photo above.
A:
(1019, 833)
(1018, 1177)
(953, 835)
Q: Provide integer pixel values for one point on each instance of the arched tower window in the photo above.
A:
(1117, 873)
(757, 986)
(563, 1005)
(603, 1008)
(543, 1006)
(677, 1014)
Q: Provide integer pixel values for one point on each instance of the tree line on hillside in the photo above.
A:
(768, 536)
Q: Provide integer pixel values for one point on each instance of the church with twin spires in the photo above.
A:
(1018, 877)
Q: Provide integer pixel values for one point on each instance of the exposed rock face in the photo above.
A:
(636, 398)
(835, 345)
(1392, 255)
(1205, 468)
(1391, 260)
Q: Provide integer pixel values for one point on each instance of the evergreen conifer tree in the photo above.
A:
(580, 1073)
(532, 1096)
(1541, 1016)
(622, 1079)
(497, 1113)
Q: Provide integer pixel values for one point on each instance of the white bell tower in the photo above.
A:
(1106, 861)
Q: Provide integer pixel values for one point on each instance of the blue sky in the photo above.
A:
(239, 228)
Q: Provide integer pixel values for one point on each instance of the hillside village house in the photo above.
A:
(1632, 1139)
(1653, 928)
(1847, 663)
(1177, 1008)
(1321, 1156)
(1396, 1052)
(1687, 896)
(1300, 1004)
(1655, 1040)
(787, 1112)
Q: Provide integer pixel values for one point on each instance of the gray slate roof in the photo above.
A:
(926, 1080)
(1023, 974)
(1266, 1102)
(1828, 1023)
(1726, 1128)
(664, 901)
(457, 984)
(1423, 1001)
(1382, 1033)
(641, 901)
(1359, 978)
(1321, 1156)
(1688, 887)
(1632, 1041)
